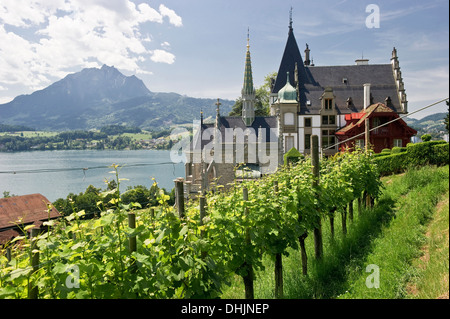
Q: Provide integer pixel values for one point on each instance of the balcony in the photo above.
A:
(382, 131)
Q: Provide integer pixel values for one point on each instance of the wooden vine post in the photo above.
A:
(8, 253)
(202, 203)
(179, 196)
(278, 261)
(248, 277)
(332, 214)
(350, 210)
(132, 241)
(33, 289)
(301, 240)
(344, 220)
(318, 243)
(359, 206)
(367, 142)
(367, 134)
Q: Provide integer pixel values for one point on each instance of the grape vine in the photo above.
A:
(185, 257)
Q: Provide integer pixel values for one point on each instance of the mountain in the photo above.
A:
(432, 124)
(95, 97)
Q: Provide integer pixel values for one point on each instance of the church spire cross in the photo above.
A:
(218, 104)
(290, 19)
(248, 38)
(248, 90)
(248, 76)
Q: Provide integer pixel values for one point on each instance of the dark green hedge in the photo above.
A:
(397, 149)
(441, 154)
(426, 153)
(392, 164)
(423, 153)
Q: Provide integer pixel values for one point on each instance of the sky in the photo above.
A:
(197, 47)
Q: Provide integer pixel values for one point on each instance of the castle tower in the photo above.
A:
(248, 90)
(399, 81)
(293, 63)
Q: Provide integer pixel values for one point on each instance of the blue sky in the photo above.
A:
(197, 47)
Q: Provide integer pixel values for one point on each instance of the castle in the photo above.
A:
(331, 102)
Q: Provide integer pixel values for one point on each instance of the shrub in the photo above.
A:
(441, 154)
(386, 151)
(396, 150)
(422, 153)
(292, 156)
(425, 137)
(432, 152)
(391, 164)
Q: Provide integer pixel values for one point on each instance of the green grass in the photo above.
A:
(390, 236)
(432, 278)
(30, 133)
(144, 135)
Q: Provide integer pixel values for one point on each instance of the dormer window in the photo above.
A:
(328, 99)
(349, 102)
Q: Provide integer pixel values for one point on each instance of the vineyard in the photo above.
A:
(191, 250)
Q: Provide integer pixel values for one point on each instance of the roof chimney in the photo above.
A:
(366, 95)
(362, 61)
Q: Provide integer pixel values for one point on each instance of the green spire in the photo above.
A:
(248, 77)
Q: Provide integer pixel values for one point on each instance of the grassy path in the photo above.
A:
(433, 266)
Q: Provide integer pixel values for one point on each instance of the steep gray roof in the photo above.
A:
(264, 122)
(314, 79)
(291, 57)
(380, 77)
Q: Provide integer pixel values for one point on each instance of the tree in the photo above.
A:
(262, 107)
(425, 137)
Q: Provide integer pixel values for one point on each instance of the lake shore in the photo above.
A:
(57, 173)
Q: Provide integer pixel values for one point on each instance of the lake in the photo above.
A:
(55, 174)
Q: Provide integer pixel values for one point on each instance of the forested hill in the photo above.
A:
(93, 98)
(432, 124)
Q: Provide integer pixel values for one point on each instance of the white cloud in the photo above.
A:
(173, 17)
(162, 57)
(149, 14)
(70, 34)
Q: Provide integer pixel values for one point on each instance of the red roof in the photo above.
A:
(7, 235)
(25, 209)
(376, 109)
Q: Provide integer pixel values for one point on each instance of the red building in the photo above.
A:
(19, 211)
(397, 133)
